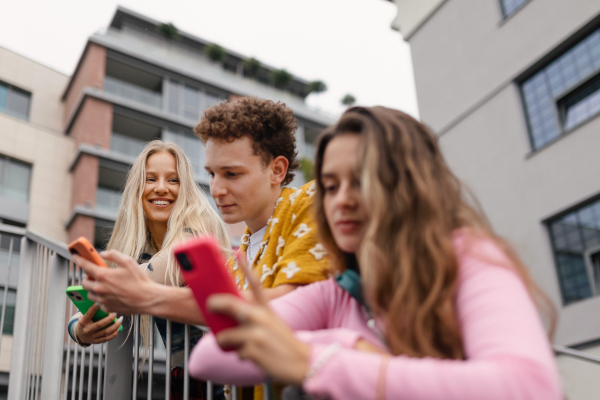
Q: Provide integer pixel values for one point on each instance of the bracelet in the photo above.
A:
(329, 352)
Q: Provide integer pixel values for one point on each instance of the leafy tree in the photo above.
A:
(215, 52)
(281, 78)
(348, 100)
(316, 87)
(169, 30)
(252, 67)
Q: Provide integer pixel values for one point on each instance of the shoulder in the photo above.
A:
(299, 198)
(481, 257)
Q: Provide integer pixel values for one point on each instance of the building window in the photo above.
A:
(576, 242)
(14, 179)
(14, 101)
(189, 102)
(9, 317)
(509, 7)
(193, 148)
(565, 93)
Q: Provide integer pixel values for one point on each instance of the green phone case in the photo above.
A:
(78, 296)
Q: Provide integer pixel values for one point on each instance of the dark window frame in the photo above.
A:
(547, 135)
(10, 89)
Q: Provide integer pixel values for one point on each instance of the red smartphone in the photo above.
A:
(85, 249)
(205, 272)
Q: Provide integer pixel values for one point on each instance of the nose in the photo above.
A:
(347, 196)
(161, 187)
(217, 187)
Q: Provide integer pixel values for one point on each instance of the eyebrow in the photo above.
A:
(226, 167)
(155, 173)
(328, 175)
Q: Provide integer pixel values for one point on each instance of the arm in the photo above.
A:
(128, 290)
(209, 362)
(508, 354)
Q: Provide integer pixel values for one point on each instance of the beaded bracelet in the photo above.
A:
(325, 356)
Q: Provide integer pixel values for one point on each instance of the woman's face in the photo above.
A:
(161, 187)
(343, 202)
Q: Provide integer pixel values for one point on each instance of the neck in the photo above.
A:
(260, 219)
(158, 230)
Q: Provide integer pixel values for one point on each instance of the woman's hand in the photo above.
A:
(90, 332)
(262, 336)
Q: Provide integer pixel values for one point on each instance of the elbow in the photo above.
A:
(535, 380)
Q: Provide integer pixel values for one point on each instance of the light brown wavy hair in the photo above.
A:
(408, 263)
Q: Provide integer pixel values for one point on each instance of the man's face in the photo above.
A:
(239, 180)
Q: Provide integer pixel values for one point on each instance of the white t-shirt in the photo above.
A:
(254, 244)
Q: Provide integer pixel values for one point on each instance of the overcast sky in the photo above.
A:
(346, 43)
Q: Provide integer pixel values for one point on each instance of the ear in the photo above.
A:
(278, 166)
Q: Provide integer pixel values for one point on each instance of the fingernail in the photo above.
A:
(120, 320)
(96, 304)
(103, 253)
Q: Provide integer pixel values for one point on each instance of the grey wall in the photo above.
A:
(465, 60)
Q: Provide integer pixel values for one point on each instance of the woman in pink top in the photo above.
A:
(446, 309)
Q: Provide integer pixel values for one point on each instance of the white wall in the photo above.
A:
(40, 141)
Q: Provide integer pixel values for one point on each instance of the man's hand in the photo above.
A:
(126, 290)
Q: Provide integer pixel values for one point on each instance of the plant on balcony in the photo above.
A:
(215, 53)
(307, 166)
(348, 100)
(251, 67)
(316, 87)
(281, 79)
(169, 30)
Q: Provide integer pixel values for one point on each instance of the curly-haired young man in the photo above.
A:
(250, 155)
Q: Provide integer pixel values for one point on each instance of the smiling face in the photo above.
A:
(161, 187)
(343, 202)
(244, 188)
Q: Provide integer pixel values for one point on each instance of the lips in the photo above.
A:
(225, 207)
(161, 202)
(348, 226)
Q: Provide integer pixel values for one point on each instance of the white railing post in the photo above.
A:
(118, 375)
(55, 327)
(18, 374)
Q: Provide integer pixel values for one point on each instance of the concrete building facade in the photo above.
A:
(512, 89)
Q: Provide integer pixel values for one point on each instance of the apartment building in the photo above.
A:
(512, 87)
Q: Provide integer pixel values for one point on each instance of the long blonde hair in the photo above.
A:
(407, 258)
(191, 213)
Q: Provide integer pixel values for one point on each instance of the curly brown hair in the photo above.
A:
(271, 126)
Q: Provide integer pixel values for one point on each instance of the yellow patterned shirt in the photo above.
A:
(289, 251)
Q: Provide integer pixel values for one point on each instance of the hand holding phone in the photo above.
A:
(206, 273)
(78, 296)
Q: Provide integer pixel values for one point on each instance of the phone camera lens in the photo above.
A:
(184, 262)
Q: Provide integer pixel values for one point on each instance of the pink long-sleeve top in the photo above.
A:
(508, 355)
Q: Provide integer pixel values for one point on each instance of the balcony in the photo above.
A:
(126, 145)
(108, 200)
(132, 92)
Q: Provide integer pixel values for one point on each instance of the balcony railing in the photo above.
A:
(108, 200)
(132, 92)
(126, 145)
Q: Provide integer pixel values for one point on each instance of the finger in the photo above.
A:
(252, 280)
(233, 337)
(90, 313)
(104, 322)
(230, 305)
(109, 330)
(89, 267)
(123, 260)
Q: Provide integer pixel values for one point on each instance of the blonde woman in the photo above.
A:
(161, 206)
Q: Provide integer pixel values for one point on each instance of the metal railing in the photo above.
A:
(132, 92)
(45, 363)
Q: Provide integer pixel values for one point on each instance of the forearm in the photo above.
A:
(174, 303)
(209, 362)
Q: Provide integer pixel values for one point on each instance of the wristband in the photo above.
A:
(320, 362)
